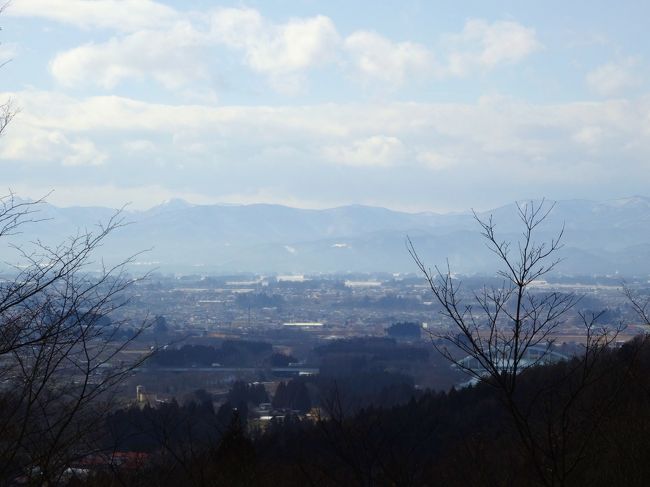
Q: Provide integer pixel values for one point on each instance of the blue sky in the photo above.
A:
(414, 105)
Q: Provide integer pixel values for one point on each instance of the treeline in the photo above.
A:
(337, 358)
(367, 354)
(376, 348)
(584, 433)
(231, 353)
(405, 330)
(194, 420)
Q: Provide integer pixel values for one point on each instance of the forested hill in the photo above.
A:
(579, 422)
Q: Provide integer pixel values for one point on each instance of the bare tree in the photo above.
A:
(502, 324)
(640, 304)
(60, 357)
(7, 112)
(59, 351)
(507, 329)
(7, 109)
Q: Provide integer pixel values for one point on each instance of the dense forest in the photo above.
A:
(586, 423)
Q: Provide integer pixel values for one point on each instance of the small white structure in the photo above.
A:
(144, 398)
(304, 324)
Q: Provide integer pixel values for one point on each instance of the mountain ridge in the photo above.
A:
(600, 236)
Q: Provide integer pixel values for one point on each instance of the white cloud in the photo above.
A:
(175, 52)
(499, 119)
(192, 144)
(139, 146)
(83, 152)
(168, 57)
(435, 160)
(117, 15)
(378, 150)
(482, 45)
(588, 136)
(34, 144)
(241, 149)
(280, 51)
(614, 78)
(376, 57)
(179, 49)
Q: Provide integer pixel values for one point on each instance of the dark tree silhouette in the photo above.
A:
(509, 329)
(59, 351)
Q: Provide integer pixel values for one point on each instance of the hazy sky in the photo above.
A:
(416, 105)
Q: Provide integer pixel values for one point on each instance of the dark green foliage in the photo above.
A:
(242, 392)
(356, 391)
(168, 426)
(234, 460)
(367, 354)
(405, 330)
(282, 360)
(231, 353)
(201, 397)
(593, 433)
(293, 395)
(226, 411)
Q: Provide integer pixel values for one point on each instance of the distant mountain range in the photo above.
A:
(601, 237)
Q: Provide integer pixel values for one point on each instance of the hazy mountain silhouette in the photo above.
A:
(605, 237)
